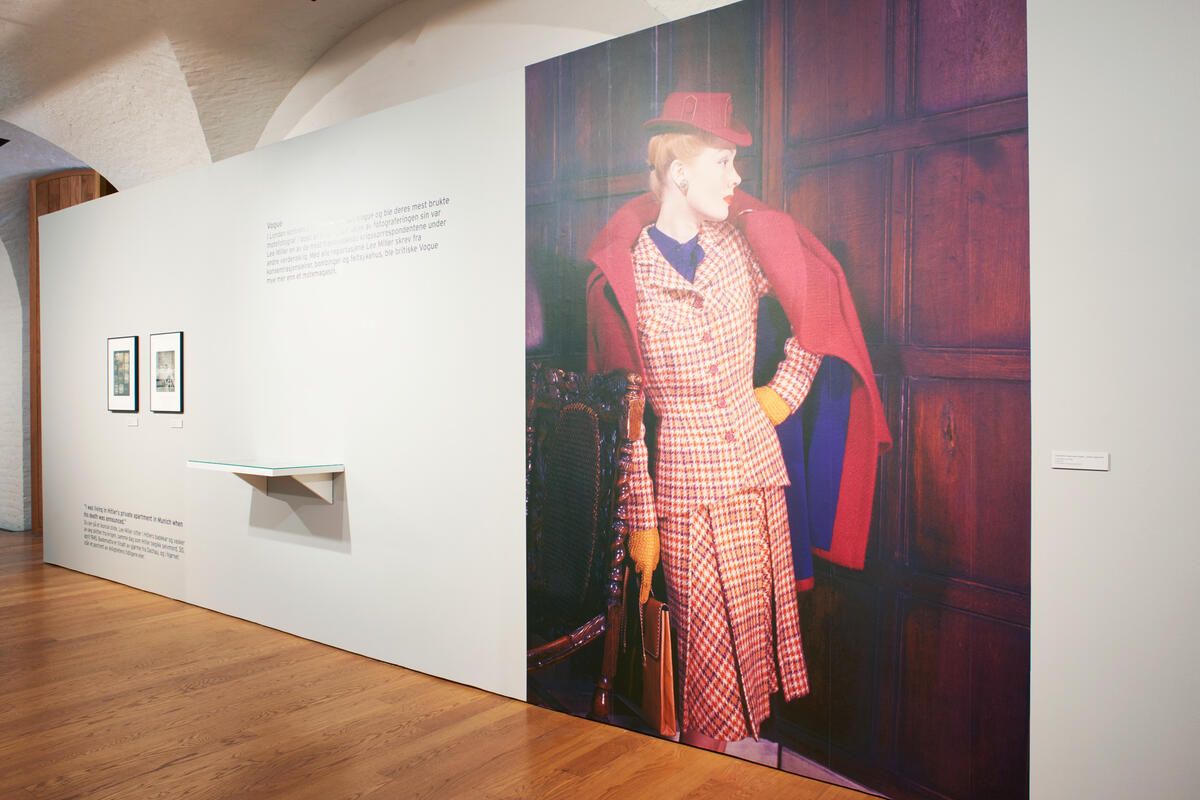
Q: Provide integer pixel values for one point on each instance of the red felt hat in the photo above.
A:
(711, 112)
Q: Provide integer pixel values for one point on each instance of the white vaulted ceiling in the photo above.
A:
(140, 89)
(143, 88)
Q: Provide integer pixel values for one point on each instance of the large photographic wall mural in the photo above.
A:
(895, 132)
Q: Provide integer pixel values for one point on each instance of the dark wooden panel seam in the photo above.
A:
(958, 594)
(1004, 116)
(954, 363)
(897, 255)
(903, 44)
(774, 88)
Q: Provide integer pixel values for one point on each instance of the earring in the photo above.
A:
(683, 185)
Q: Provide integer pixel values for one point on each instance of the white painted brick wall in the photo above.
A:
(14, 396)
(24, 157)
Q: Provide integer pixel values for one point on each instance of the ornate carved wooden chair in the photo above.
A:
(578, 434)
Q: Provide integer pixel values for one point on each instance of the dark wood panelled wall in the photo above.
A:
(896, 131)
(47, 194)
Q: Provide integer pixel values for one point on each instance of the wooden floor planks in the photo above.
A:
(110, 692)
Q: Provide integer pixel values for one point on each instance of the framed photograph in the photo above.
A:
(122, 373)
(166, 372)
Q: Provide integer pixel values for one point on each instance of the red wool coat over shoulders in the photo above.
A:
(811, 288)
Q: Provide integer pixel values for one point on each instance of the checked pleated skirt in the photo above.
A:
(728, 570)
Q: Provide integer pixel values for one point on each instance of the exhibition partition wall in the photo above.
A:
(350, 298)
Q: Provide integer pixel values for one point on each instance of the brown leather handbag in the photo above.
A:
(658, 675)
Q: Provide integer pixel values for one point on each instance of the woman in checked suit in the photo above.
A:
(674, 296)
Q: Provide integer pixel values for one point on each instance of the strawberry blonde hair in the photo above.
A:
(666, 148)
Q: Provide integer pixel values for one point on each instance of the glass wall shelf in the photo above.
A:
(316, 478)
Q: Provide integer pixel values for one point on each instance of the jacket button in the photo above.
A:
(707, 337)
(714, 369)
(729, 437)
(698, 302)
(721, 403)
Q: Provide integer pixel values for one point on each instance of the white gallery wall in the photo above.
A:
(1115, 287)
(1114, 294)
(13, 433)
(396, 366)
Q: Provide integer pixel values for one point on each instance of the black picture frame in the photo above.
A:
(166, 373)
(122, 373)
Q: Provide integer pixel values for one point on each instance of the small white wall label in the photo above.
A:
(1075, 459)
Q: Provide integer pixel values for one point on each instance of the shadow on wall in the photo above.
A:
(289, 513)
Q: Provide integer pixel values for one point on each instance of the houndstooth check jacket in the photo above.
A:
(714, 440)
(810, 286)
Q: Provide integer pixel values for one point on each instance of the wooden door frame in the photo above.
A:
(98, 188)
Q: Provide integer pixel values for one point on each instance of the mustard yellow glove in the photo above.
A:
(772, 403)
(643, 549)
